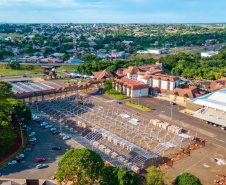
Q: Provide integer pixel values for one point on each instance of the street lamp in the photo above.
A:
(20, 122)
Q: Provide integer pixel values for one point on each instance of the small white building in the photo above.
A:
(155, 51)
(142, 52)
(127, 42)
(208, 54)
(131, 88)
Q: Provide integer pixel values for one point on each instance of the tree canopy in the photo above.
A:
(117, 176)
(187, 179)
(157, 177)
(11, 112)
(82, 166)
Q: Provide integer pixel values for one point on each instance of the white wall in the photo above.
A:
(164, 84)
(139, 93)
(155, 83)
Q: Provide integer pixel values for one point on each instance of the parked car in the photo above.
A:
(39, 166)
(31, 134)
(20, 155)
(172, 103)
(55, 148)
(12, 162)
(48, 126)
(118, 102)
(38, 160)
(56, 132)
(18, 159)
(223, 128)
(27, 149)
(43, 124)
(29, 146)
(66, 138)
(31, 143)
(32, 139)
(53, 129)
(28, 128)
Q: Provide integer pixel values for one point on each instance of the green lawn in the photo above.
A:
(135, 105)
(140, 56)
(115, 94)
(22, 70)
(11, 35)
(152, 47)
(68, 68)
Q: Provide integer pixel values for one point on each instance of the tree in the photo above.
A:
(6, 90)
(48, 51)
(109, 176)
(6, 133)
(117, 176)
(19, 112)
(157, 177)
(112, 68)
(108, 85)
(28, 49)
(127, 178)
(66, 57)
(187, 179)
(82, 166)
(14, 65)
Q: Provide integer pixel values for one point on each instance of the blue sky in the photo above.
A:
(113, 11)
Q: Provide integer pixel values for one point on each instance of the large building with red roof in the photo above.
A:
(151, 74)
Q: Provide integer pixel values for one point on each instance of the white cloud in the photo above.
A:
(56, 3)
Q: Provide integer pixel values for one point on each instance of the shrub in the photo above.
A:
(187, 179)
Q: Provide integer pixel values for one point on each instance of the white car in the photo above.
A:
(20, 155)
(39, 166)
(52, 129)
(31, 134)
(66, 138)
(28, 128)
(32, 139)
(48, 126)
(43, 124)
(12, 162)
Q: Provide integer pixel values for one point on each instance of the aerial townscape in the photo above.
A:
(127, 93)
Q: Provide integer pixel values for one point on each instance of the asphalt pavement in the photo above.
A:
(161, 109)
(26, 169)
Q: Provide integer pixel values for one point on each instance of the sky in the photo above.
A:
(113, 11)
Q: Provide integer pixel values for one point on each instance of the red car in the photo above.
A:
(39, 120)
(18, 159)
(31, 143)
(29, 146)
(40, 160)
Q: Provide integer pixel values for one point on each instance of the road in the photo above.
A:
(42, 149)
(161, 110)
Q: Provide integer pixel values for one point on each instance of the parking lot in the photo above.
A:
(42, 149)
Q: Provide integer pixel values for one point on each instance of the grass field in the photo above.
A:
(11, 35)
(140, 56)
(152, 47)
(68, 68)
(135, 105)
(22, 70)
(115, 94)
